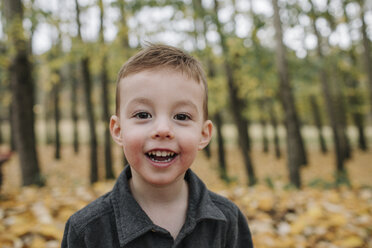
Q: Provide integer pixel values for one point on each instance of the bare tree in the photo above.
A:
(274, 124)
(105, 106)
(294, 139)
(353, 83)
(74, 113)
(367, 51)
(318, 123)
(87, 83)
(201, 31)
(237, 104)
(332, 107)
(57, 118)
(20, 74)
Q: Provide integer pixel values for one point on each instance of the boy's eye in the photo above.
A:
(142, 115)
(182, 117)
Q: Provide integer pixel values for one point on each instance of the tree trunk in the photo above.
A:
(221, 148)
(274, 124)
(236, 104)
(47, 118)
(87, 82)
(105, 102)
(337, 130)
(123, 29)
(354, 98)
(1, 132)
(339, 107)
(356, 103)
(318, 123)
(74, 114)
(294, 153)
(362, 142)
(265, 140)
(358, 120)
(357, 116)
(57, 140)
(256, 48)
(12, 127)
(106, 120)
(263, 122)
(23, 95)
(123, 35)
(367, 52)
(90, 115)
(245, 131)
(341, 111)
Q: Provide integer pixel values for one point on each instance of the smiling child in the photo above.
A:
(161, 122)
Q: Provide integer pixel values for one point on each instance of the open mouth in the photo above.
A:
(161, 156)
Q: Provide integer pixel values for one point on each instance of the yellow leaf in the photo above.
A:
(315, 212)
(351, 242)
(7, 238)
(285, 242)
(37, 242)
(337, 220)
(299, 225)
(49, 231)
(266, 204)
(64, 213)
(334, 197)
(330, 236)
(20, 229)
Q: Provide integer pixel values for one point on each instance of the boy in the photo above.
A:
(161, 122)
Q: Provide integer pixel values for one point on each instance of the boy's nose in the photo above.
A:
(162, 130)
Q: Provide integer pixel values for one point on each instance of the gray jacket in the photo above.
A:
(116, 220)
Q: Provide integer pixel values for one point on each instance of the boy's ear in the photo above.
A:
(206, 134)
(115, 130)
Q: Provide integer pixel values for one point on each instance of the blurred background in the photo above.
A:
(290, 96)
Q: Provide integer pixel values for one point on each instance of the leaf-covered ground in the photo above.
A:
(318, 215)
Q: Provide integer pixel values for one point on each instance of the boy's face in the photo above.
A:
(160, 125)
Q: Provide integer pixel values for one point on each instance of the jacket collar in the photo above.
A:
(132, 222)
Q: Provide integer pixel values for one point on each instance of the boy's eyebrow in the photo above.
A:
(186, 102)
(142, 100)
(179, 103)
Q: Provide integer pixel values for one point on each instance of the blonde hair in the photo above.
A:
(163, 56)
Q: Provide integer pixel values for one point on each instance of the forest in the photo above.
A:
(290, 97)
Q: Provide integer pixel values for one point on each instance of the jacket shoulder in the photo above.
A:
(94, 210)
(239, 234)
(224, 204)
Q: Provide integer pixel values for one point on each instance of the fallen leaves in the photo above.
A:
(33, 218)
(278, 217)
(306, 218)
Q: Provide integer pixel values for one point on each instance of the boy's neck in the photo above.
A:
(166, 205)
(146, 193)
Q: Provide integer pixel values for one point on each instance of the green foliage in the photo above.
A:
(217, 98)
(341, 179)
(252, 60)
(269, 182)
(321, 184)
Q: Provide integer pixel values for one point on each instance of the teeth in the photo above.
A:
(164, 161)
(160, 153)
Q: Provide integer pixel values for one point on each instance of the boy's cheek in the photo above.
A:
(134, 140)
